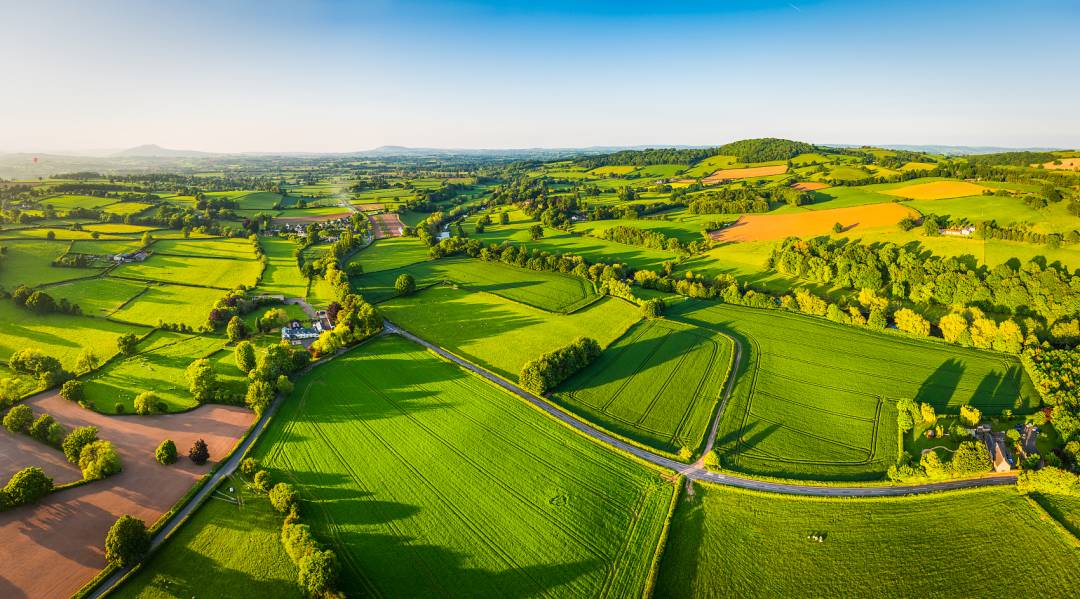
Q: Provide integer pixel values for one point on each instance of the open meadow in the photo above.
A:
(817, 400)
(488, 497)
(390, 253)
(727, 542)
(222, 273)
(61, 336)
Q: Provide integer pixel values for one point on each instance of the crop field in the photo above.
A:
(282, 275)
(224, 550)
(732, 543)
(499, 334)
(125, 208)
(223, 273)
(918, 166)
(612, 170)
(488, 497)
(391, 253)
(67, 202)
(1064, 508)
(259, 200)
(387, 224)
(30, 263)
(551, 291)
(100, 296)
(175, 304)
(810, 186)
(658, 385)
(710, 165)
(937, 190)
(42, 233)
(815, 399)
(222, 248)
(810, 223)
(745, 173)
(52, 334)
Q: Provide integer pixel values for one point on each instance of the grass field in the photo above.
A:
(259, 200)
(551, 291)
(390, 253)
(170, 303)
(159, 367)
(30, 263)
(222, 248)
(224, 550)
(98, 297)
(105, 247)
(612, 170)
(59, 335)
(658, 385)
(487, 497)
(282, 275)
(1064, 508)
(1055, 218)
(814, 399)
(502, 335)
(67, 202)
(125, 208)
(222, 273)
(732, 543)
(118, 228)
(937, 190)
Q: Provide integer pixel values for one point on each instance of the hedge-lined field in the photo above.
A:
(100, 296)
(209, 272)
(173, 304)
(815, 399)
(231, 248)
(499, 334)
(726, 542)
(282, 275)
(159, 367)
(551, 291)
(391, 253)
(224, 550)
(30, 263)
(658, 385)
(67, 202)
(461, 490)
(61, 336)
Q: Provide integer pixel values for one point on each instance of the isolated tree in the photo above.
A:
(837, 228)
(262, 480)
(248, 466)
(147, 402)
(652, 308)
(18, 418)
(202, 380)
(78, 438)
(405, 284)
(27, 486)
(536, 232)
(245, 356)
(98, 460)
(126, 343)
(166, 452)
(283, 497)
(147, 239)
(259, 395)
(504, 218)
(87, 361)
(41, 303)
(236, 330)
(199, 452)
(283, 385)
(127, 541)
(318, 572)
(970, 415)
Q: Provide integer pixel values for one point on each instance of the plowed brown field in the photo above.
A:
(756, 227)
(387, 224)
(810, 186)
(727, 174)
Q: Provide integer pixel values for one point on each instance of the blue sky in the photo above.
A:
(339, 76)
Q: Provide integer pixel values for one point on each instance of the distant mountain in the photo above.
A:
(156, 151)
(946, 150)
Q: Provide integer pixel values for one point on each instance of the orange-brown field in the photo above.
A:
(727, 174)
(757, 227)
(387, 224)
(371, 207)
(810, 186)
(1067, 164)
(937, 190)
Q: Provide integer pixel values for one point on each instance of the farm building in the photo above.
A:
(958, 232)
(297, 334)
(130, 257)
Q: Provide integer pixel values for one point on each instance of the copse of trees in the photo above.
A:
(650, 239)
(26, 486)
(546, 372)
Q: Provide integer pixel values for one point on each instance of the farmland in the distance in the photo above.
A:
(487, 498)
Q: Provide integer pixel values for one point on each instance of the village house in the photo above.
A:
(297, 334)
(138, 256)
(958, 232)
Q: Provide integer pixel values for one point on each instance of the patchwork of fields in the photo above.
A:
(816, 400)
(486, 498)
(658, 385)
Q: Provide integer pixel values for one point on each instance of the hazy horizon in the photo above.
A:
(340, 77)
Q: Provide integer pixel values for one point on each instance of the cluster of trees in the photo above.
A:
(235, 303)
(33, 362)
(647, 157)
(354, 321)
(96, 458)
(1056, 374)
(731, 200)
(650, 239)
(546, 372)
(26, 486)
(764, 149)
(44, 428)
(40, 302)
(900, 273)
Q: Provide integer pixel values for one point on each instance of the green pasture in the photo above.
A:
(98, 296)
(221, 248)
(815, 399)
(105, 247)
(174, 304)
(658, 385)
(727, 542)
(67, 202)
(660, 170)
(222, 273)
(224, 550)
(551, 291)
(117, 229)
(282, 275)
(61, 336)
(1055, 218)
(30, 263)
(391, 253)
(126, 208)
(709, 165)
(499, 334)
(258, 200)
(462, 490)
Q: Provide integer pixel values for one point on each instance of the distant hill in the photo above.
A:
(946, 150)
(156, 151)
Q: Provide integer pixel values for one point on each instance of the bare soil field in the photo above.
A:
(756, 227)
(937, 190)
(1067, 164)
(312, 218)
(727, 174)
(22, 451)
(371, 207)
(387, 224)
(810, 186)
(51, 549)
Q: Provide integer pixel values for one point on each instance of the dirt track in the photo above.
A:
(51, 549)
(756, 227)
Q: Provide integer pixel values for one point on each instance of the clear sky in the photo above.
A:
(309, 75)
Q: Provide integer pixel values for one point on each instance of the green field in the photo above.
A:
(159, 367)
(58, 335)
(224, 550)
(461, 489)
(67, 202)
(100, 296)
(222, 248)
(551, 291)
(222, 273)
(658, 385)
(391, 253)
(30, 263)
(125, 208)
(814, 399)
(173, 304)
(982, 543)
(282, 275)
(502, 335)
(258, 200)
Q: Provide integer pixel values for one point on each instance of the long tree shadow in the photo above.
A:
(939, 389)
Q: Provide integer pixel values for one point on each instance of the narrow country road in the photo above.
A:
(696, 471)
